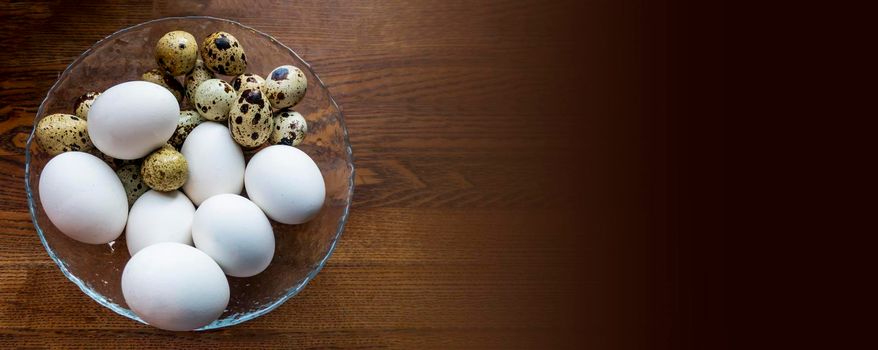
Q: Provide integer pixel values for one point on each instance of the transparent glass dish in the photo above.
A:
(301, 250)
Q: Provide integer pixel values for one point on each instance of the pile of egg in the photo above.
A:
(182, 173)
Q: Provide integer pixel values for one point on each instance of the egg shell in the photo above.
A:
(114, 163)
(160, 77)
(216, 163)
(130, 120)
(188, 121)
(235, 233)
(250, 119)
(83, 103)
(83, 198)
(290, 128)
(132, 182)
(159, 217)
(285, 86)
(198, 74)
(286, 183)
(176, 52)
(213, 99)
(165, 169)
(58, 133)
(175, 287)
(223, 54)
(247, 81)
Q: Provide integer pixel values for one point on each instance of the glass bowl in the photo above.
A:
(301, 250)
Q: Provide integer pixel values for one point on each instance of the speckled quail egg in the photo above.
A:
(250, 119)
(290, 128)
(114, 163)
(164, 79)
(132, 181)
(165, 169)
(83, 103)
(59, 133)
(188, 121)
(223, 54)
(247, 81)
(107, 159)
(285, 86)
(176, 52)
(213, 98)
(198, 74)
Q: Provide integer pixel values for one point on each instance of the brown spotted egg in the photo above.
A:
(198, 74)
(164, 79)
(176, 52)
(83, 103)
(132, 182)
(188, 121)
(247, 81)
(290, 128)
(223, 54)
(112, 162)
(285, 86)
(250, 119)
(59, 133)
(165, 169)
(213, 98)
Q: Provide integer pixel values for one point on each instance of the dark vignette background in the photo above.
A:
(588, 137)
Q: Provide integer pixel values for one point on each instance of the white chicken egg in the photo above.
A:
(235, 233)
(83, 197)
(130, 120)
(216, 162)
(175, 287)
(293, 198)
(158, 217)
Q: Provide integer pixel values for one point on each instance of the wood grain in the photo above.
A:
(498, 149)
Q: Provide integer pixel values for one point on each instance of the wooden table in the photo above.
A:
(510, 190)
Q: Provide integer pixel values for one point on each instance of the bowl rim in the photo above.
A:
(220, 323)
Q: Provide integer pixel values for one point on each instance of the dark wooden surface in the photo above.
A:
(508, 192)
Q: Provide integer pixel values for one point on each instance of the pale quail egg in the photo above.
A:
(165, 169)
(290, 128)
(164, 79)
(250, 119)
(83, 103)
(285, 86)
(132, 181)
(223, 54)
(188, 121)
(213, 98)
(196, 76)
(176, 52)
(59, 133)
(247, 81)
